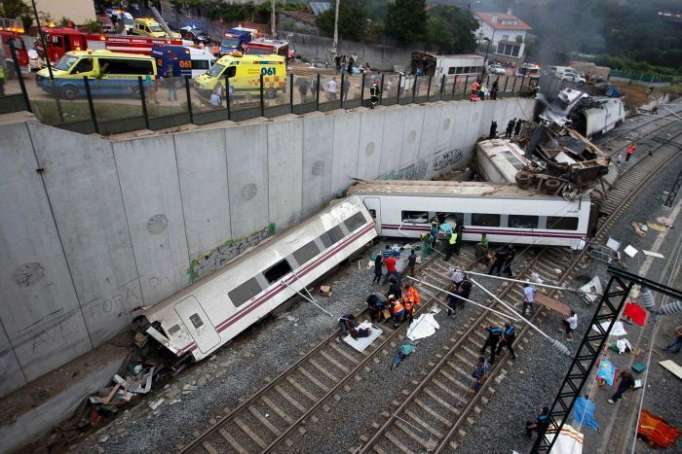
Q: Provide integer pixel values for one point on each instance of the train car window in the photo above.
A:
(442, 217)
(518, 221)
(241, 294)
(355, 222)
(277, 271)
(196, 321)
(373, 213)
(306, 252)
(485, 220)
(331, 236)
(415, 217)
(173, 330)
(560, 223)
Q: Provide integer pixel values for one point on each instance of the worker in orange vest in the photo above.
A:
(411, 299)
(475, 89)
(397, 310)
(630, 150)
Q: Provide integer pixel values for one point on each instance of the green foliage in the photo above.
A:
(406, 21)
(14, 8)
(450, 30)
(93, 26)
(352, 20)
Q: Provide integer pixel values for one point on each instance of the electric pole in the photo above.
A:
(273, 21)
(336, 28)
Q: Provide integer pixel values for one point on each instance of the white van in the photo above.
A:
(568, 73)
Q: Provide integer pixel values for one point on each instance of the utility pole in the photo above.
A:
(273, 21)
(336, 28)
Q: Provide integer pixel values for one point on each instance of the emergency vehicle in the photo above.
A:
(63, 40)
(244, 72)
(184, 61)
(22, 54)
(146, 26)
(263, 46)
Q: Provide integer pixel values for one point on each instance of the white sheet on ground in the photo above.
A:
(569, 441)
(618, 328)
(593, 289)
(424, 326)
(361, 343)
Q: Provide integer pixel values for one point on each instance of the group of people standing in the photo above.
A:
(513, 128)
(479, 91)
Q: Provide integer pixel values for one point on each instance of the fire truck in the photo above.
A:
(62, 40)
(10, 30)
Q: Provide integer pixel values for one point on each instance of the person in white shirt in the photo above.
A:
(528, 298)
(570, 324)
(331, 87)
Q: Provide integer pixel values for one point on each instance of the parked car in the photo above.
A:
(496, 68)
(569, 74)
(195, 34)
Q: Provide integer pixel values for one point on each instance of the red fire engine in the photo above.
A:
(22, 54)
(63, 40)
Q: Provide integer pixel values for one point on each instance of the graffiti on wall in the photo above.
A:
(415, 171)
(210, 261)
(445, 161)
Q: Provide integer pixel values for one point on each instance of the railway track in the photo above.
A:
(431, 417)
(274, 417)
(280, 410)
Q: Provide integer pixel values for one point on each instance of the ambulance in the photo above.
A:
(244, 72)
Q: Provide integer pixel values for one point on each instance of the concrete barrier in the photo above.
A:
(93, 227)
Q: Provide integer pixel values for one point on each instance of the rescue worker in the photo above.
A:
(494, 335)
(528, 298)
(411, 299)
(411, 263)
(374, 94)
(494, 88)
(376, 303)
(475, 88)
(459, 228)
(540, 425)
(498, 260)
(493, 130)
(378, 264)
(627, 381)
(509, 130)
(397, 310)
(394, 288)
(391, 270)
(517, 128)
(452, 244)
(509, 257)
(482, 247)
(630, 150)
(570, 324)
(2, 80)
(508, 337)
(434, 232)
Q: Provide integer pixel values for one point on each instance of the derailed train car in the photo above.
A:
(195, 322)
(505, 213)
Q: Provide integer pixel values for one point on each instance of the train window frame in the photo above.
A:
(331, 236)
(237, 298)
(196, 320)
(554, 221)
(174, 329)
(526, 224)
(304, 253)
(403, 212)
(354, 222)
(459, 217)
(277, 271)
(486, 224)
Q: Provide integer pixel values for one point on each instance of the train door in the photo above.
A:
(197, 323)
(373, 205)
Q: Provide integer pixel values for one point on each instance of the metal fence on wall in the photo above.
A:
(105, 106)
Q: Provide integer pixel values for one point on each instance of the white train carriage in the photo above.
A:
(506, 213)
(599, 116)
(203, 317)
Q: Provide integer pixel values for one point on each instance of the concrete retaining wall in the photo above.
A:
(92, 228)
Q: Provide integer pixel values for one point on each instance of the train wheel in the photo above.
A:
(523, 179)
(552, 185)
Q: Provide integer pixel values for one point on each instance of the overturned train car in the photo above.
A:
(195, 322)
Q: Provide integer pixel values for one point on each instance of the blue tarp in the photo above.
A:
(583, 413)
(607, 371)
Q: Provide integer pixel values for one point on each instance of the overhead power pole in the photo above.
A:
(336, 28)
(273, 21)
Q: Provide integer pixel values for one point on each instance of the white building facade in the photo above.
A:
(507, 35)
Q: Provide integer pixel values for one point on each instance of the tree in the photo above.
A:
(450, 30)
(352, 20)
(13, 8)
(406, 21)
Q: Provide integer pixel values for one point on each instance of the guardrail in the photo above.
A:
(110, 106)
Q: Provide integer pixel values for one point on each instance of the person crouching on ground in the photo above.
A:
(376, 304)
(397, 310)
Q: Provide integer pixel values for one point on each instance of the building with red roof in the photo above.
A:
(507, 35)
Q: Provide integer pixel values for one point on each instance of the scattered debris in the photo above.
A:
(665, 221)
(612, 244)
(656, 430)
(638, 229)
(618, 329)
(424, 326)
(154, 405)
(673, 367)
(606, 372)
(326, 290)
(652, 254)
(592, 290)
(551, 303)
(656, 226)
(630, 251)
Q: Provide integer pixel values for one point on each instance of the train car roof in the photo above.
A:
(471, 189)
(261, 253)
